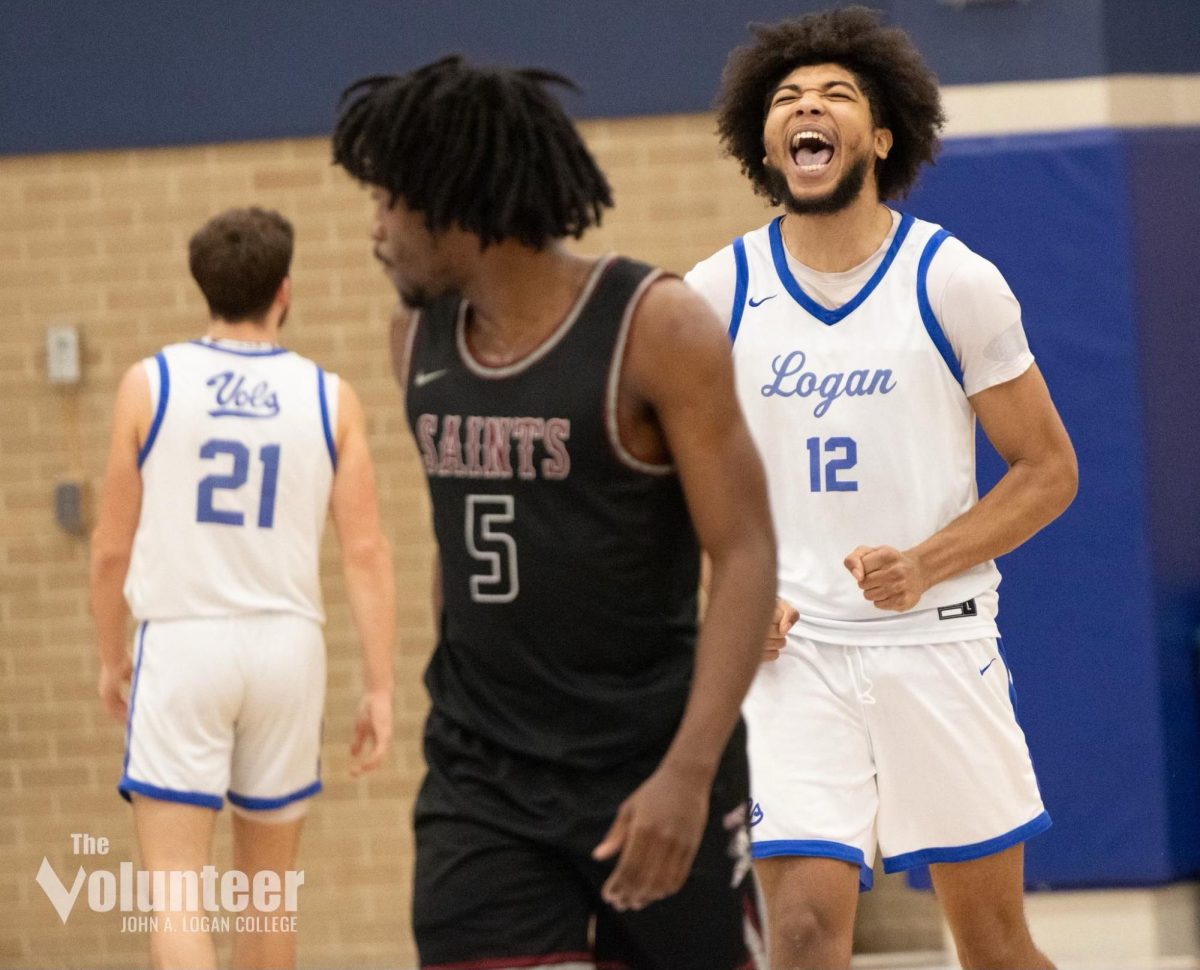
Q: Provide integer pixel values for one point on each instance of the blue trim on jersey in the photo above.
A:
(203, 799)
(965, 853)
(1012, 687)
(816, 848)
(742, 275)
(140, 649)
(932, 327)
(325, 418)
(265, 804)
(269, 352)
(164, 392)
(830, 317)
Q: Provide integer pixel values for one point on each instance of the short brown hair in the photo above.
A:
(239, 259)
(901, 89)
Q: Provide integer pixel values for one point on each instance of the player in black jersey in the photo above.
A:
(585, 799)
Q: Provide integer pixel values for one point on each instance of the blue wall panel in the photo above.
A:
(1081, 603)
(124, 73)
(1165, 193)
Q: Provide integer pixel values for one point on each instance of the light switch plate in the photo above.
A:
(62, 354)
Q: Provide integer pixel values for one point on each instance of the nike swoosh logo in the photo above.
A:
(983, 670)
(421, 379)
(754, 302)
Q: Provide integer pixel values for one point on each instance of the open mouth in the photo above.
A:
(811, 151)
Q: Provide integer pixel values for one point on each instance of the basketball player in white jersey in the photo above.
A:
(866, 343)
(227, 454)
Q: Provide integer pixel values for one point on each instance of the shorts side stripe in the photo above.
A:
(127, 785)
(265, 804)
(139, 650)
(965, 853)
(816, 848)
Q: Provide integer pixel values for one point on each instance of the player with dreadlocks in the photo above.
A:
(866, 344)
(587, 770)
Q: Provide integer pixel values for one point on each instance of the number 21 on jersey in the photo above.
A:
(267, 454)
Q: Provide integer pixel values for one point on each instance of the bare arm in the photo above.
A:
(1023, 425)
(367, 565)
(112, 539)
(679, 365)
(709, 442)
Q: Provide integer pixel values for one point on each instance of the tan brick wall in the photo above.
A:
(99, 240)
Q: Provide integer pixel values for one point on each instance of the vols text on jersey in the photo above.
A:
(791, 379)
(476, 446)
(236, 398)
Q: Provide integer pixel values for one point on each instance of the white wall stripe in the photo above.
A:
(1116, 101)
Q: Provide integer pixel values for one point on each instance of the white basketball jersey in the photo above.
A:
(866, 433)
(236, 473)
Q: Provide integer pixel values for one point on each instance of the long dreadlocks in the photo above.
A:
(487, 150)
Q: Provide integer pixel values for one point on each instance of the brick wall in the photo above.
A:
(100, 240)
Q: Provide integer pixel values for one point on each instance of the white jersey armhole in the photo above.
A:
(328, 389)
(158, 377)
(979, 316)
(716, 279)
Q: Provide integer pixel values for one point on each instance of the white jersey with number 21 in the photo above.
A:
(236, 470)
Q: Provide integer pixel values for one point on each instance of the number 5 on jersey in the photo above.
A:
(493, 547)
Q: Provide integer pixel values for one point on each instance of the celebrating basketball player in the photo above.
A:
(227, 452)
(866, 343)
(577, 424)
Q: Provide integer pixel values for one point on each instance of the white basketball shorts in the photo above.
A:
(226, 707)
(915, 749)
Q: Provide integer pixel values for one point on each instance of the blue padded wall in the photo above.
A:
(124, 73)
(1165, 193)
(1097, 612)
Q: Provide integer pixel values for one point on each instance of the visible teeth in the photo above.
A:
(810, 136)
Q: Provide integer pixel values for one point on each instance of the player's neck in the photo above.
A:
(246, 331)
(838, 241)
(519, 296)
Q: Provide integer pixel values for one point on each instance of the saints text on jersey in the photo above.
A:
(476, 446)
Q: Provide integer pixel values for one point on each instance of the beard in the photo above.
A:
(836, 199)
(413, 297)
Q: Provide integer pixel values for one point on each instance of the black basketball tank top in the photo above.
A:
(569, 567)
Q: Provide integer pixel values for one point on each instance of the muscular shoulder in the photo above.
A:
(673, 328)
(132, 408)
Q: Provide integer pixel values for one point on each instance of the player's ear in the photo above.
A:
(883, 142)
(283, 296)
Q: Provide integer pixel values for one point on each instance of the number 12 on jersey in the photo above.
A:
(846, 450)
